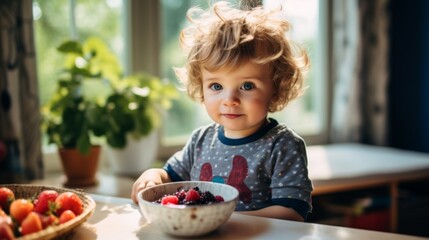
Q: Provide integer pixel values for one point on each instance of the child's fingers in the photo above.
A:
(150, 184)
(140, 186)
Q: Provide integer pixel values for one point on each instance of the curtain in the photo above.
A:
(20, 138)
(360, 71)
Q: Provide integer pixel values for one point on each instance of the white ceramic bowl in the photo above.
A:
(187, 220)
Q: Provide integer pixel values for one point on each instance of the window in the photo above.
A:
(53, 25)
(127, 25)
(305, 115)
(185, 115)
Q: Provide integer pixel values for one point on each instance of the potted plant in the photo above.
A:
(132, 114)
(95, 104)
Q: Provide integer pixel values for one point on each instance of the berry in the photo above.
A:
(4, 218)
(207, 198)
(2, 214)
(48, 220)
(68, 201)
(6, 197)
(170, 200)
(31, 224)
(192, 196)
(6, 231)
(66, 216)
(20, 208)
(45, 202)
(219, 198)
(181, 195)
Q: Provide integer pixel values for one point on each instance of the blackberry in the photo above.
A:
(207, 197)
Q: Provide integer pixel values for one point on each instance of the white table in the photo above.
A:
(119, 218)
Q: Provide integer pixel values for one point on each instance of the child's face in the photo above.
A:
(239, 98)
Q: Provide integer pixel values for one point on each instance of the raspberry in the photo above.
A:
(192, 196)
(219, 198)
(170, 199)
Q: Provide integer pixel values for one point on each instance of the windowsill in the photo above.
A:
(52, 162)
(108, 184)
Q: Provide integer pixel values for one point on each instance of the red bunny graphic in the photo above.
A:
(235, 179)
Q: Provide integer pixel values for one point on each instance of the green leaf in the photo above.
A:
(83, 72)
(71, 47)
(144, 124)
(118, 140)
(97, 120)
(83, 142)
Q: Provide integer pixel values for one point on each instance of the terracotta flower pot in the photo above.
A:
(80, 170)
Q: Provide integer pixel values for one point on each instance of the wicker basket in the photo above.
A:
(62, 231)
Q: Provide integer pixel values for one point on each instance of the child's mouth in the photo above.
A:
(231, 116)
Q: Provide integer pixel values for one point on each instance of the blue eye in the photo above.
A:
(216, 87)
(247, 86)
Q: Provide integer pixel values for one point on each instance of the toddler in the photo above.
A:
(241, 66)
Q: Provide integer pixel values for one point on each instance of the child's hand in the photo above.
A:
(149, 178)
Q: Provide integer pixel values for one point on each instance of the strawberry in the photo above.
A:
(66, 216)
(6, 197)
(192, 196)
(170, 200)
(2, 213)
(6, 231)
(48, 220)
(68, 201)
(45, 202)
(31, 224)
(4, 218)
(20, 208)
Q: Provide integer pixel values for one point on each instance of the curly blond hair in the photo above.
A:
(225, 36)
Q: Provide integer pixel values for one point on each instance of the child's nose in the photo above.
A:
(231, 98)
